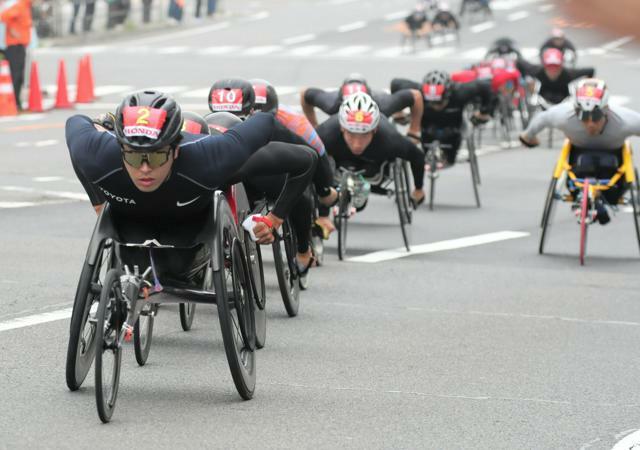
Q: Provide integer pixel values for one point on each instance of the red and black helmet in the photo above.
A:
(148, 120)
(266, 95)
(436, 86)
(194, 123)
(354, 84)
(232, 95)
(220, 122)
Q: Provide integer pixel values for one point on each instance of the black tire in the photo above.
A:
(546, 214)
(475, 171)
(341, 223)
(634, 190)
(143, 333)
(109, 320)
(256, 271)
(187, 314)
(284, 255)
(81, 348)
(235, 311)
(402, 200)
(433, 175)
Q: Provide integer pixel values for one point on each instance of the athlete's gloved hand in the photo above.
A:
(530, 143)
(106, 121)
(479, 119)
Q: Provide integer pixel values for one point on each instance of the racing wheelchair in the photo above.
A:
(115, 301)
(582, 185)
(393, 180)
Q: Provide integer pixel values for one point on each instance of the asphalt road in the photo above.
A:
(483, 346)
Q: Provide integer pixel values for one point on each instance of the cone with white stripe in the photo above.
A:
(7, 97)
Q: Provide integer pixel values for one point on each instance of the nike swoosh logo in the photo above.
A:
(179, 205)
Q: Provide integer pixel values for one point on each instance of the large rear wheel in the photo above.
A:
(634, 191)
(475, 171)
(547, 213)
(143, 332)
(342, 219)
(402, 200)
(284, 254)
(584, 226)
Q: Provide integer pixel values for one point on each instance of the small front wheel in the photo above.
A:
(187, 313)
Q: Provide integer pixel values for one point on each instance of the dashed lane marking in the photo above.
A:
(16, 204)
(453, 244)
(299, 39)
(396, 16)
(617, 43)
(257, 16)
(307, 50)
(179, 34)
(513, 17)
(47, 179)
(36, 319)
(352, 50)
(352, 26)
(484, 26)
(262, 50)
(218, 50)
(57, 194)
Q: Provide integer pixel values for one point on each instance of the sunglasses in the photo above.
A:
(595, 116)
(153, 159)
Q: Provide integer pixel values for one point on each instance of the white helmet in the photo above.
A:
(589, 93)
(359, 114)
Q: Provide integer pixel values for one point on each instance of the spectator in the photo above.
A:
(176, 9)
(17, 19)
(74, 16)
(146, 11)
(89, 9)
(211, 7)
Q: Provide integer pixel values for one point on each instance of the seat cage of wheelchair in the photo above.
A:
(625, 170)
(106, 228)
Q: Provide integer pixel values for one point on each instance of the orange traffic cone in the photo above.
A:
(85, 84)
(91, 80)
(7, 97)
(35, 94)
(62, 97)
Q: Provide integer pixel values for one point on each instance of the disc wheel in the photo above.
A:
(235, 307)
(143, 332)
(284, 255)
(111, 314)
(187, 314)
(81, 347)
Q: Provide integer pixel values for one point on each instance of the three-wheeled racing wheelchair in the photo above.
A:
(118, 296)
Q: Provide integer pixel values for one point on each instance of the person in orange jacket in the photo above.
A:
(17, 20)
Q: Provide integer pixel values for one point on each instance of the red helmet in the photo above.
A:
(552, 57)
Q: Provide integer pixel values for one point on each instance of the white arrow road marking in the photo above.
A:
(453, 244)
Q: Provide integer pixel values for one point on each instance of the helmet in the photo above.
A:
(148, 120)
(552, 57)
(359, 113)
(436, 86)
(265, 94)
(589, 94)
(194, 123)
(353, 84)
(220, 122)
(233, 95)
(557, 33)
(504, 46)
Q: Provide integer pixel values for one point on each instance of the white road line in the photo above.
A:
(484, 26)
(513, 17)
(46, 179)
(58, 194)
(396, 16)
(307, 50)
(179, 34)
(217, 50)
(436, 52)
(15, 204)
(352, 26)
(111, 89)
(299, 39)
(340, 2)
(389, 52)
(546, 8)
(257, 16)
(530, 52)
(46, 143)
(36, 319)
(617, 43)
(262, 50)
(172, 50)
(169, 89)
(91, 49)
(351, 50)
(197, 93)
(471, 241)
(475, 53)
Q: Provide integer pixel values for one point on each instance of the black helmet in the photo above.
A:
(436, 86)
(232, 95)
(353, 84)
(194, 123)
(219, 122)
(266, 95)
(148, 120)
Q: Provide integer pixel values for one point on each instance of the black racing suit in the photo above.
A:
(178, 208)
(416, 20)
(446, 125)
(445, 19)
(386, 145)
(554, 91)
(389, 104)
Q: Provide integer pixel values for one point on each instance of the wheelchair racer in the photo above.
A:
(359, 137)
(597, 132)
(554, 78)
(444, 19)
(559, 41)
(156, 177)
(389, 104)
(445, 103)
(270, 186)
